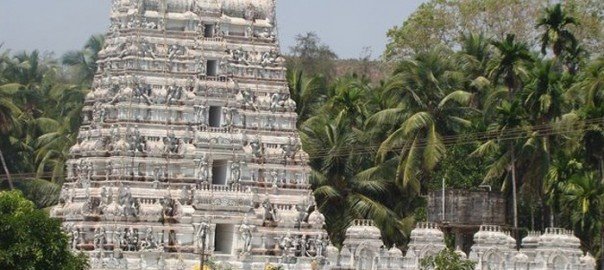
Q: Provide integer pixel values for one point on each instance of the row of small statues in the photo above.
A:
(268, 58)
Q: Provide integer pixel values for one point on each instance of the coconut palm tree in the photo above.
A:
(428, 107)
(555, 22)
(308, 93)
(584, 200)
(342, 194)
(509, 67)
(9, 114)
(84, 61)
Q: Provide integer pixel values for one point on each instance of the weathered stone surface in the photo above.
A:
(189, 143)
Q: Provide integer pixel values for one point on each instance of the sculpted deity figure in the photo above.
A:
(202, 233)
(149, 242)
(291, 148)
(175, 50)
(246, 235)
(201, 66)
(148, 49)
(270, 213)
(175, 93)
(277, 101)
(185, 195)
(201, 114)
(257, 150)
(100, 238)
(320, 245)
(171, 143)
(286, 243)
(275, 178)
(235, 172)
(75, 238)
(202, 172)
(105, 197)
(143, 92)
(227, 116)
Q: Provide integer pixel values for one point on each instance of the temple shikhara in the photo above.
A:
(189, 154)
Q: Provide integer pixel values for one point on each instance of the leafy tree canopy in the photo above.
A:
(444, 22)
(30, 240)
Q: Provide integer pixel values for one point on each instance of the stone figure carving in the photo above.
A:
(185, 195)
(130, 239)
(143, 92)
(286, 243)
(235, 172)
(137, 142)
(227, 116)
(100, 238)
(239, 56)
(291, 148)
(278, 101)
(202, 173)
(149, 242)
(171, 143)
(175, 93)
(201, 234)
(175, 50)
(270, 213)
(246, 98)
(75, 238)
(127, 205)
(201, 67)
(320, 245)
(275, 178)
(148, 49)
(264, 33)
(84, 172)
(269, 58)
(106, 195)
(201, 114)
(246, 234)
(257, 149)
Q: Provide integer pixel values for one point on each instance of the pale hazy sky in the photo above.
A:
(347, 26)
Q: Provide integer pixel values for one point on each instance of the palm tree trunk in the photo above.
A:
(602, 227)
(10, 181)
(514, 197)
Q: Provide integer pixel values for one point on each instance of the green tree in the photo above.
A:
(446, 260)
(584, 199)
(29, 239)
(439, 22)
(342, 194)
(308, 92)
(428, 107)
(84, 62)
(555, 22)
(312, 57)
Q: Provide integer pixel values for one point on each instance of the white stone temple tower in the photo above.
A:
(189, 144)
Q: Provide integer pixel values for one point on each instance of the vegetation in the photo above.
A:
(485, 107)
(29, 239)
(446, 260)
(504, 93)
(445, 21)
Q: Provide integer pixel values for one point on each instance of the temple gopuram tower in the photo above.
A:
(188, 150)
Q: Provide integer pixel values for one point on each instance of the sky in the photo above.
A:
(347, 26)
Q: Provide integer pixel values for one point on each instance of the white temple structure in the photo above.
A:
(189, 152)
(189, 146)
